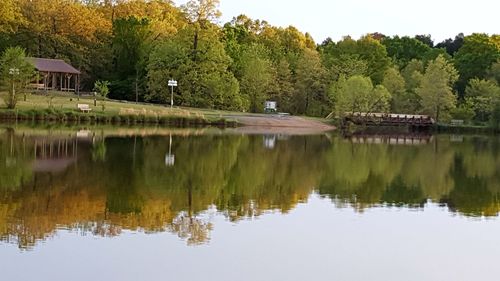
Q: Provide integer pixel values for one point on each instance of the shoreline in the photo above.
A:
(73, 117)
(240, 123)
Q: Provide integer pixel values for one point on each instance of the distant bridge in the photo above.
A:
(388, 119)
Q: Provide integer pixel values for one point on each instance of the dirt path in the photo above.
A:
(279, 124)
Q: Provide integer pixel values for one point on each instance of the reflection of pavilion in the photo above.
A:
(54, 155)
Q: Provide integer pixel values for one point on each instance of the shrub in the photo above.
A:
(116, 119)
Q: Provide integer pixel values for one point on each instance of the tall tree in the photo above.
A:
(357, 94)
(201, 13)
(484, 95)
(395, 84)
(412, 74)
(426, 39)
(256, 77)
(375, 54)
(204, 81)
(404, 49)
(310, 96)
(16, 71)
(494, 71)
(436, 88)
(452, 45)
(475, 58)
(282, 89)
(130, 46)
(10, 16)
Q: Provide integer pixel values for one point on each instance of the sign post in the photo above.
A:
(170, 158)
(172, 83)
(14, 72)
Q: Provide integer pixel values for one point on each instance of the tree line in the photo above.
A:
(139, 45)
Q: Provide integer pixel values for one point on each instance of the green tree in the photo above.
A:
(404, 49)
(366, 56)
(483, 94)
(426, 39)
(310, 96)
(412, 74)
(436, 88)
(395, 84)
(375, 55)
(130, 46)
(200, 13)
(452, 45)
(165, 62)
(256, 77)
(465, 110)
(282, 88)
(475, 58)
(16, 71)
(102, 89)
(204, 79)
(494, 71)
(357, 94)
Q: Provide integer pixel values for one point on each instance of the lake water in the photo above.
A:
(177, 204)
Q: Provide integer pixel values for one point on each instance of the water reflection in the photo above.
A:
(103, 183)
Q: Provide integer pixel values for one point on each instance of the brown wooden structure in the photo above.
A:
(55, 74)
(388, 119)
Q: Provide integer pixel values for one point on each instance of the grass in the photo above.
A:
(59, 106)
(483, 129)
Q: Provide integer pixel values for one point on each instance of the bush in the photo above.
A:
(132, 119)
(116, 119)
(23, 115)
(153, 119)
(71, 116)
(85, 118)
(495, 116)
(125, 119)
(39, 115)
(165, 120)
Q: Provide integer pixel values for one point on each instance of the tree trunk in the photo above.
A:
(195, 44)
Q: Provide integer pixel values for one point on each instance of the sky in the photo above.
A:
(336, 18)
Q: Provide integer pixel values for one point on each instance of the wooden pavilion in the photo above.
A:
(55, 74)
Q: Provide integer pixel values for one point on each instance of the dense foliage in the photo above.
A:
(138, 45)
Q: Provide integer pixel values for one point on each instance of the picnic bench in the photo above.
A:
(84, 107)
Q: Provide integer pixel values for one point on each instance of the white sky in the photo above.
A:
(336, 18)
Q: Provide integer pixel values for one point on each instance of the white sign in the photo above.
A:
(172, 83)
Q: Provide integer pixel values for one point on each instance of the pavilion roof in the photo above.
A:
(53, 65)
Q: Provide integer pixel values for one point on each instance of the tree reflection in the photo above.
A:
(194, 230)
(113, 184)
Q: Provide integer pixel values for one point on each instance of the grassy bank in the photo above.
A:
(59, 107)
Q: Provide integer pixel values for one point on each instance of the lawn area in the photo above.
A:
(68, 102)
(62, 107)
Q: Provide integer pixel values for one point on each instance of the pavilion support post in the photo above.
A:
(78, 86)
(45, 81)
